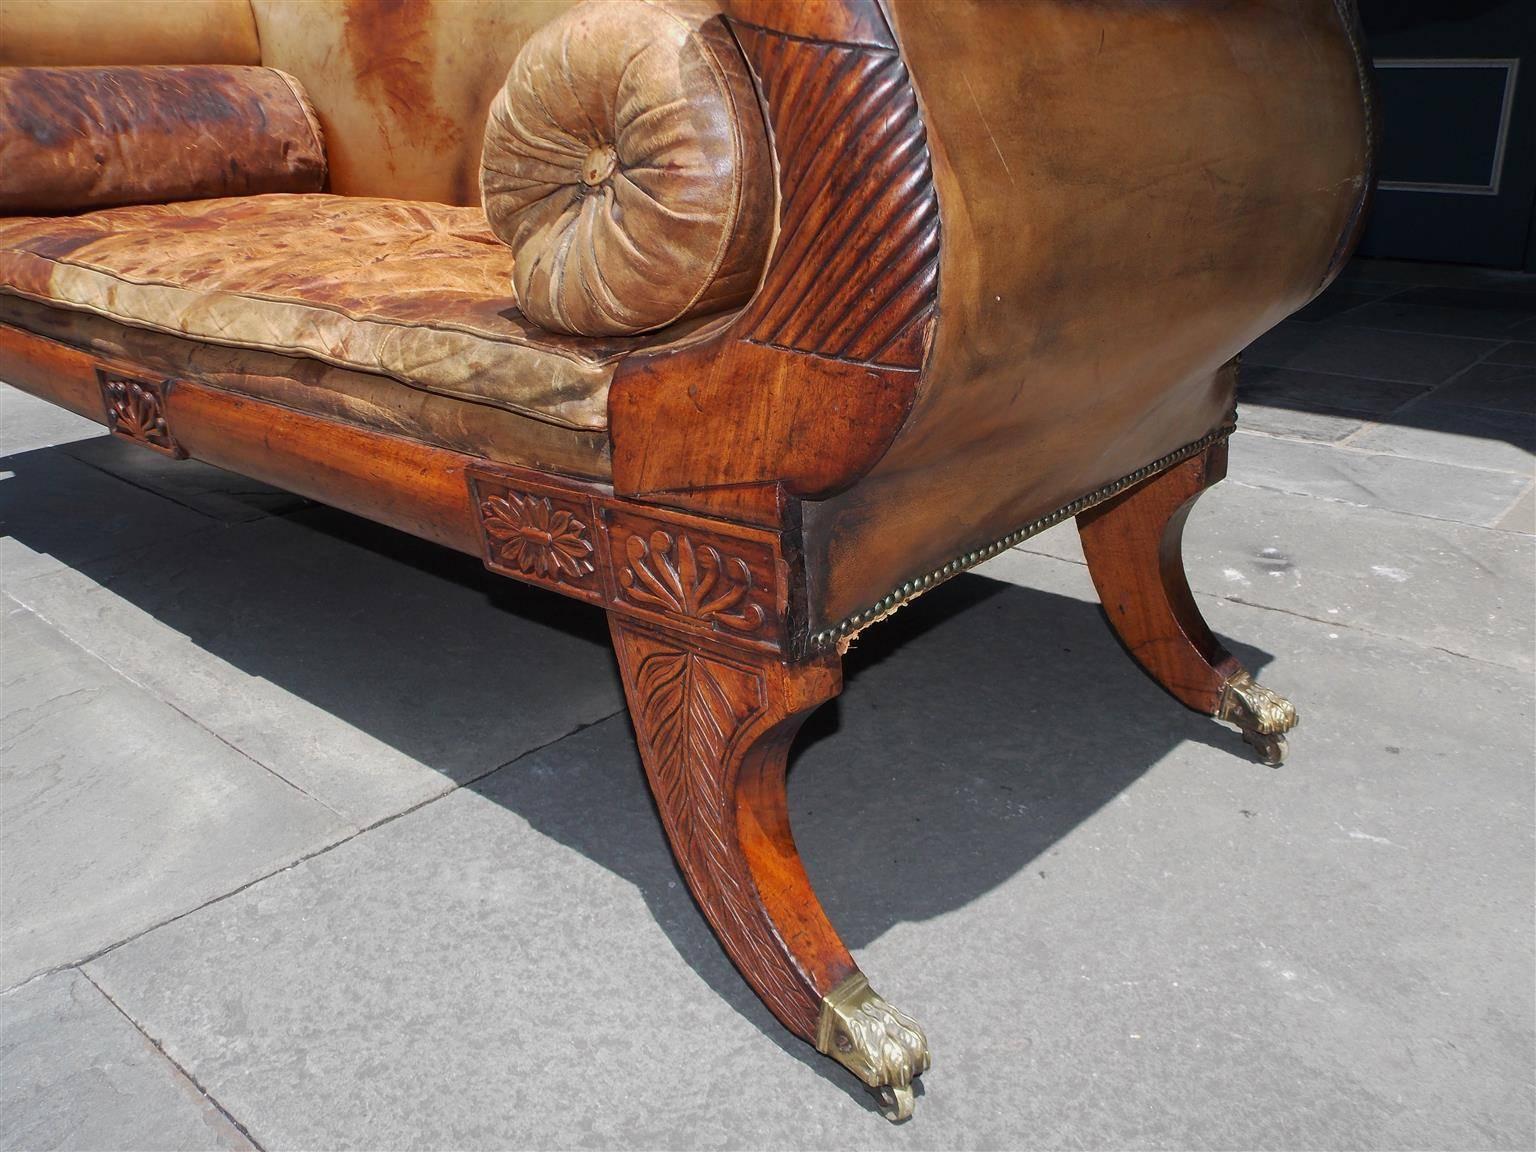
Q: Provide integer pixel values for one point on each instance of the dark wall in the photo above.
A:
(1457, 95)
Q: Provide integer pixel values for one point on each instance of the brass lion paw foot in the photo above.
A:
(881, 1046)
(1263, 716)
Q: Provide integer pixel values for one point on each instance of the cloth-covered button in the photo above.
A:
(599, 165)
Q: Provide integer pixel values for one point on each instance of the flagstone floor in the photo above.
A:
(313, 836)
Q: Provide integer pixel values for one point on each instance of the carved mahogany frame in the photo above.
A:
(695, 550)
(846, 308)
(710, 630)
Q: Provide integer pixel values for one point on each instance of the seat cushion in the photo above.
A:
(416, 291)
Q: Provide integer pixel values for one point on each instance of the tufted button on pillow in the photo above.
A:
(627, 167)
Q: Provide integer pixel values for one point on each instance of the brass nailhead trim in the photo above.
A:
(893, 600)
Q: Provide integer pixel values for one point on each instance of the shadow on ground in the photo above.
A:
(978, 727)
(1432, 348)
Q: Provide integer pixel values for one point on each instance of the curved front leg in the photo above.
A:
(1133, 544)
(714, 725)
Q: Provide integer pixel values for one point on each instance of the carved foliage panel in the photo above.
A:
(691, 711)
(680, 570)
(136, 411)
(685, 571)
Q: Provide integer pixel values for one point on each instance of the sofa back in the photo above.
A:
(64, 33)
(402, 87)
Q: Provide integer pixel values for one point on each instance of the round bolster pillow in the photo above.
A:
(626, 164)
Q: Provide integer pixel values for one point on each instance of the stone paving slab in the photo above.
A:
(118, 812)
(1295, 423)
(1408, 273)
(1450, 586)
(27, 423)
(1119, 931)
(56, 512)
(1405, 357)
(1375, 479)
(1320, 392)
(1522, 517)
(75, 1074)
(1457, 434)
(1521, 353)
(370, 681)
(212, 491)
(1409, 313)
(1496, 384)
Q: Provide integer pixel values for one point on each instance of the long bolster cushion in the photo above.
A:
(73, 139)
(626, 164)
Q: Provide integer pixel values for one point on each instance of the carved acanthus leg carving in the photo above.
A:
(714, 727)
(1133, 544)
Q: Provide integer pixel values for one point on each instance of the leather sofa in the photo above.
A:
(745, 323)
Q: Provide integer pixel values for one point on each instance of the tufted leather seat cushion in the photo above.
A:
(416, 291)
(626, 164)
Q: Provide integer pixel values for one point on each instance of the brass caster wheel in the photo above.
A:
(881, 1046)
(1271, 748)
(1262, 716)
(895, 1103)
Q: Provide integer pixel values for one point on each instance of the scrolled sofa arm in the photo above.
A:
(627, 165)
(73, 139)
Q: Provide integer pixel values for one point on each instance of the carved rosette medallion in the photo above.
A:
(527, 532)
(136, 411)
(538, 534)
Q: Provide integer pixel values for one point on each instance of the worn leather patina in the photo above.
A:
(402, 86)
(80, 138)
(1129, 195)
(98, 32)
(626, 164)
(418, 292)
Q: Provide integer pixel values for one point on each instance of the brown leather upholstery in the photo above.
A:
(63, 32)
(76, 138)
(415, 291)
(402, 87)
(626, 164)
(1129, 195)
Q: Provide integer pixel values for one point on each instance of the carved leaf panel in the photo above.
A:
(690, 710)
(729, 584)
